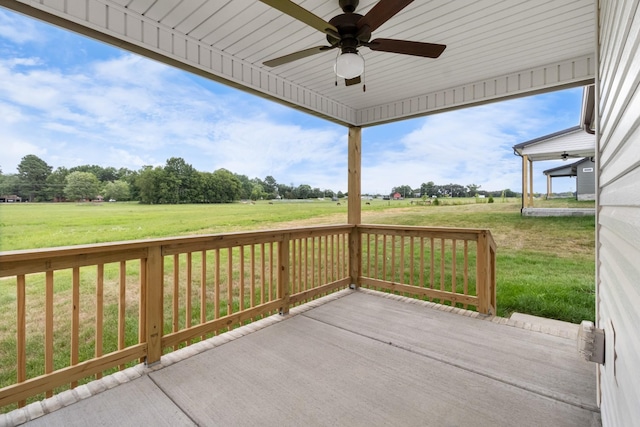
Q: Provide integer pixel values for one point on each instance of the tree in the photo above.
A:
(180, 181)
(270, 187)
(473, 189)
(10, 184)
(428, 189)
(33, 173)
(149, 185)
(82, 186)
(117, 190)
(56, 183)
(404, 190)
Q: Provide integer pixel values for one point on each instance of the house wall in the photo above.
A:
(586, 181)
(618, 229)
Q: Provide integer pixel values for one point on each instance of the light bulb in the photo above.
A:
(349, 65)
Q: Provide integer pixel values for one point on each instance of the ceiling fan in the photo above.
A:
(350, 31)
(564, 156)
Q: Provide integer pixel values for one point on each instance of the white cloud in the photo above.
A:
(470, 146)
(18, 30)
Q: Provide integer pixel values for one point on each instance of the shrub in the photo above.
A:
(490, 200)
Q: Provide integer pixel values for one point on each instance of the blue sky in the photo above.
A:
(73, 101)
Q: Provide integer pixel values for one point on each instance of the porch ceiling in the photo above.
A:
(495, 49)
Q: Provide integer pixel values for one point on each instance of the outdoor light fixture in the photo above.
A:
(349, 65)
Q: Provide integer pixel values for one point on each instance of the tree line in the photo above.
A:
(430, 189)
(175, 182)
(179, 182)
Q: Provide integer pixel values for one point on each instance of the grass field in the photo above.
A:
(545, 266)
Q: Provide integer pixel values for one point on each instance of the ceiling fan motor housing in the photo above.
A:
(347, 25)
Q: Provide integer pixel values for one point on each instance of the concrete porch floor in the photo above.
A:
(355, 358)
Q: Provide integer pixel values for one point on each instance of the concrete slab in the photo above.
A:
(306, 372)
(570, 328)
(545, 364)
(558, 211)
(137, 403)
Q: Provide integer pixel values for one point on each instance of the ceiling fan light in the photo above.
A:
(349, 65)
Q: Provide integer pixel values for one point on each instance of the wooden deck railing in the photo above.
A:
(84, 311)
(436, 263)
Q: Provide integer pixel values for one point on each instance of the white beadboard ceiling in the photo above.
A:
(495, 49)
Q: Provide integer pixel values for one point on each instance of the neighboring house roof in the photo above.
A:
(577, 141)
(572, 142)
(565, 170)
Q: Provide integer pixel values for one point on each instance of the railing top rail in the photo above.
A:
(421, 231)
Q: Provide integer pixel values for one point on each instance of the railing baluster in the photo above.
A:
(377, 238)
(384, 257)
(313, 263)
(401, 261)
(21, 339)
(345, 259)
(48, 327)
(326, 260)
(465, 281)
(393, 258)
(75, 318)
(122, 294)
(411, 260)
(176, 292)
(433, 265)
(203, 290)
(442, 264)
(320, 281)
(229, 281)
(421, 262)
(273, 266)
(252, 291)
(453, 267)
(293, 267)
(241, 286)
(99, 313)
(187, 296)
(216, 289)
(263, 277)
(299, 265)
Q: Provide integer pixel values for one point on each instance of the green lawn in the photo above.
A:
(545, 265)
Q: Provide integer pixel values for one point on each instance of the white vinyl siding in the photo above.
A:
(578, 141)
(619, 209)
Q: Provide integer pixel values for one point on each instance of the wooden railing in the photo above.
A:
(432, 263)
(85, 311)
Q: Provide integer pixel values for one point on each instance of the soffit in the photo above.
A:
(495, 49)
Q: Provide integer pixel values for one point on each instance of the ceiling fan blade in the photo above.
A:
(382, 12)
(427, 50)
(301, 14)
(296, 55)
(353, 81)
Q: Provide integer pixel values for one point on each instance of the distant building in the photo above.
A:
(583, 170)
(10, 198)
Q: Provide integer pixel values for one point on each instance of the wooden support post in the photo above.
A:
(283, 274)
(482, 273)
(530, 184)
(549, 190)
(525, 197)
(154, 294)
(355, 204)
